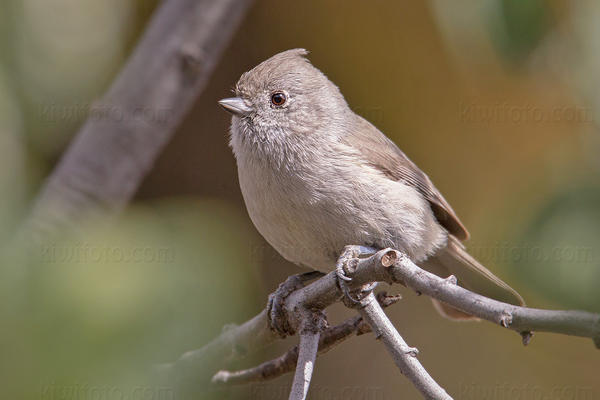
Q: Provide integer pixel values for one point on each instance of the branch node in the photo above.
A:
(193, 56)
(387, 300)
(451, 280)
(526, 335)
(389, 258)
(313, 322)
(506, 318)
(411, 351)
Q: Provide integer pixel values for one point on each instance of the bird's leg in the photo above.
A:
(276, 313)
(346, 264)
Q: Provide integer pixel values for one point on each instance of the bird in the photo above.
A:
(316, 177)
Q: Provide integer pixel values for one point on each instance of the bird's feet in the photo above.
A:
(276, 312)
(346, 265)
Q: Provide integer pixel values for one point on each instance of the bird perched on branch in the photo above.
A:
(317, 177)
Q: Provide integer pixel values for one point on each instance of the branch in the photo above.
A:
(113, 151)
(521, 319)
(385, 266)
(193, 370)
(197, 367)
(308, 347)
(286, 363)
(404, 356)
(312, 322)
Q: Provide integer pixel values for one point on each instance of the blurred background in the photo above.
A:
(496, 100)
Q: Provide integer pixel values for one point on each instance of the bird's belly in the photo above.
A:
(309, 223)
(300, 231)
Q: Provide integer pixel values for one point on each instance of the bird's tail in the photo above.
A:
(454, 260)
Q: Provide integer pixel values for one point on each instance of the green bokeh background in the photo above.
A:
(494, 99)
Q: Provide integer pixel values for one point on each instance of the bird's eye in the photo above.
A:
(278, 99)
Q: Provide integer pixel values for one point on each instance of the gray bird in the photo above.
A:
(316, 177)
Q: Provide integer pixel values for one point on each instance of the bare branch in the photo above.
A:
(193, 370)
(313, 322)
(203, 363)
(107, 160)
(308, 347)
(267, 370)
(384, 266)
(285, 363)
(404, 356)
(521, 319)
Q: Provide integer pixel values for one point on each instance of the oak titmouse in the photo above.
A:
(316, 177)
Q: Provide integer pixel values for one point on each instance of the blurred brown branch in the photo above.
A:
(385, 266)
(107, 160)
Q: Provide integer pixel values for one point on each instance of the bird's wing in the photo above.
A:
(384, 155)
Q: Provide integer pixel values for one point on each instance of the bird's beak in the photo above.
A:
(236, 106)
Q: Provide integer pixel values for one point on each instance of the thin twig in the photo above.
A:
(287, 361)
(404, 356)
(268, 370)
(309, 323)
(308, 347)
(312, 323)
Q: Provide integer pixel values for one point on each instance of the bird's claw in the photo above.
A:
(346, 264)
(341, 274)
(276, 312)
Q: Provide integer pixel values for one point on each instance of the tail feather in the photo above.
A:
(454, 260)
